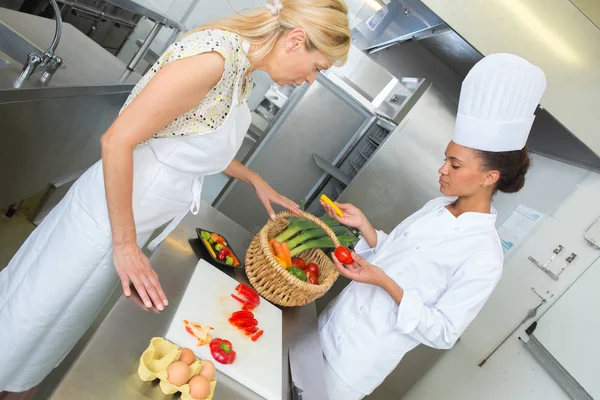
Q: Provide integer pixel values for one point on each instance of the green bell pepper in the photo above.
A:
(298, 273)
(205, 235)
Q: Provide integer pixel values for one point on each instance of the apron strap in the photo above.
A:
(194, 208)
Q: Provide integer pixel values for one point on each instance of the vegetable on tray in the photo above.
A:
(218, 248)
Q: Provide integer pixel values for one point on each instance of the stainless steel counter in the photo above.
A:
(107, 366)
(52, 131)
(86, 63)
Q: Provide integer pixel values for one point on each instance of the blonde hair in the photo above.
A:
(324, 21)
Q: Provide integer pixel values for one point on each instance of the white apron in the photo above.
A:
(53, 288)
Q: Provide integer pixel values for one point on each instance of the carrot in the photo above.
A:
(272, 243)
(280, 253)
(286, 254)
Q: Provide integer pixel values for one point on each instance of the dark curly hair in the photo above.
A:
(512, 165)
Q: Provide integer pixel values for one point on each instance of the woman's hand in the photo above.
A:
(353, 216)
(134, 267)
(267, 196)
(361, 271)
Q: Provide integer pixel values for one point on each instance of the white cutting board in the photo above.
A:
(207, 300)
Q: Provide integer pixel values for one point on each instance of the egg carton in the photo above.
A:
(155, 360)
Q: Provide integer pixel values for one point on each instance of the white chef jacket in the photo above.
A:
(447, 266)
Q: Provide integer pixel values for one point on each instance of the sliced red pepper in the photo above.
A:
(243, 324)
(242, 314)
(222, 351)
(248, 307)
(257, 335)
(250, 331)
(244, 302)
(245, 321)
(248, 293)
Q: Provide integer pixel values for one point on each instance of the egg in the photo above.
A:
(208, 370)
(178, 373)
(199, 387)
(187, 356)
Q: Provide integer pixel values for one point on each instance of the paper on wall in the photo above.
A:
(517, 226)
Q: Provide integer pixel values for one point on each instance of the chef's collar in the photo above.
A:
(475, 217)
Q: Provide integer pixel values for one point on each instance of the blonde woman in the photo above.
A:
(185, 119)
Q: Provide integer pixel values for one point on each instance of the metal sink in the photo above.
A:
(15, 46)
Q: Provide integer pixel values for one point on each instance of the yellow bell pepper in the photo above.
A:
(328, 201)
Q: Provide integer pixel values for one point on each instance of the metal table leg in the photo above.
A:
(144, 48)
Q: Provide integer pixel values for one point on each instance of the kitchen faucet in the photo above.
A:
(49, 60)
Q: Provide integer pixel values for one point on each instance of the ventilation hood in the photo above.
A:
(408, 20)
(398, 21)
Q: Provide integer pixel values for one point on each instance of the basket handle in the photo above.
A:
(315, 220)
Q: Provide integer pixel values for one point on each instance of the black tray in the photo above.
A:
(216, 260)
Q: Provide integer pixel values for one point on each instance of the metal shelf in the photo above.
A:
(332, 170)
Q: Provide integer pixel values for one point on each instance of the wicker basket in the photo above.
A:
(272, 281)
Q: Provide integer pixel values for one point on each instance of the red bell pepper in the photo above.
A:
(257, 335)
(250, 331)
(246, 305)
(242, 314)
(249, 293)
(243, 323)
(244, 302)
(222, 351)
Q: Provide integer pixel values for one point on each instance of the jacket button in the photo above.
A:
(418, 247)
(457, 228)
(361, 308)
(339, 338)
(405, 233)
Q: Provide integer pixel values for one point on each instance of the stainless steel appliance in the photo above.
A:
(568, 134)
(284, 157)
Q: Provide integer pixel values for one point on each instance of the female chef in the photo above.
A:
(185, 119)
(427, 280)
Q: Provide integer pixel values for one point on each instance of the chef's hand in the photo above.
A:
(133, 267)
(267, 195)
(360, 271)
(353, 216)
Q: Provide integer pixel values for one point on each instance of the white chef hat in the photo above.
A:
(497, 101)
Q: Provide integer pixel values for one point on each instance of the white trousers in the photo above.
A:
(337, 388)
